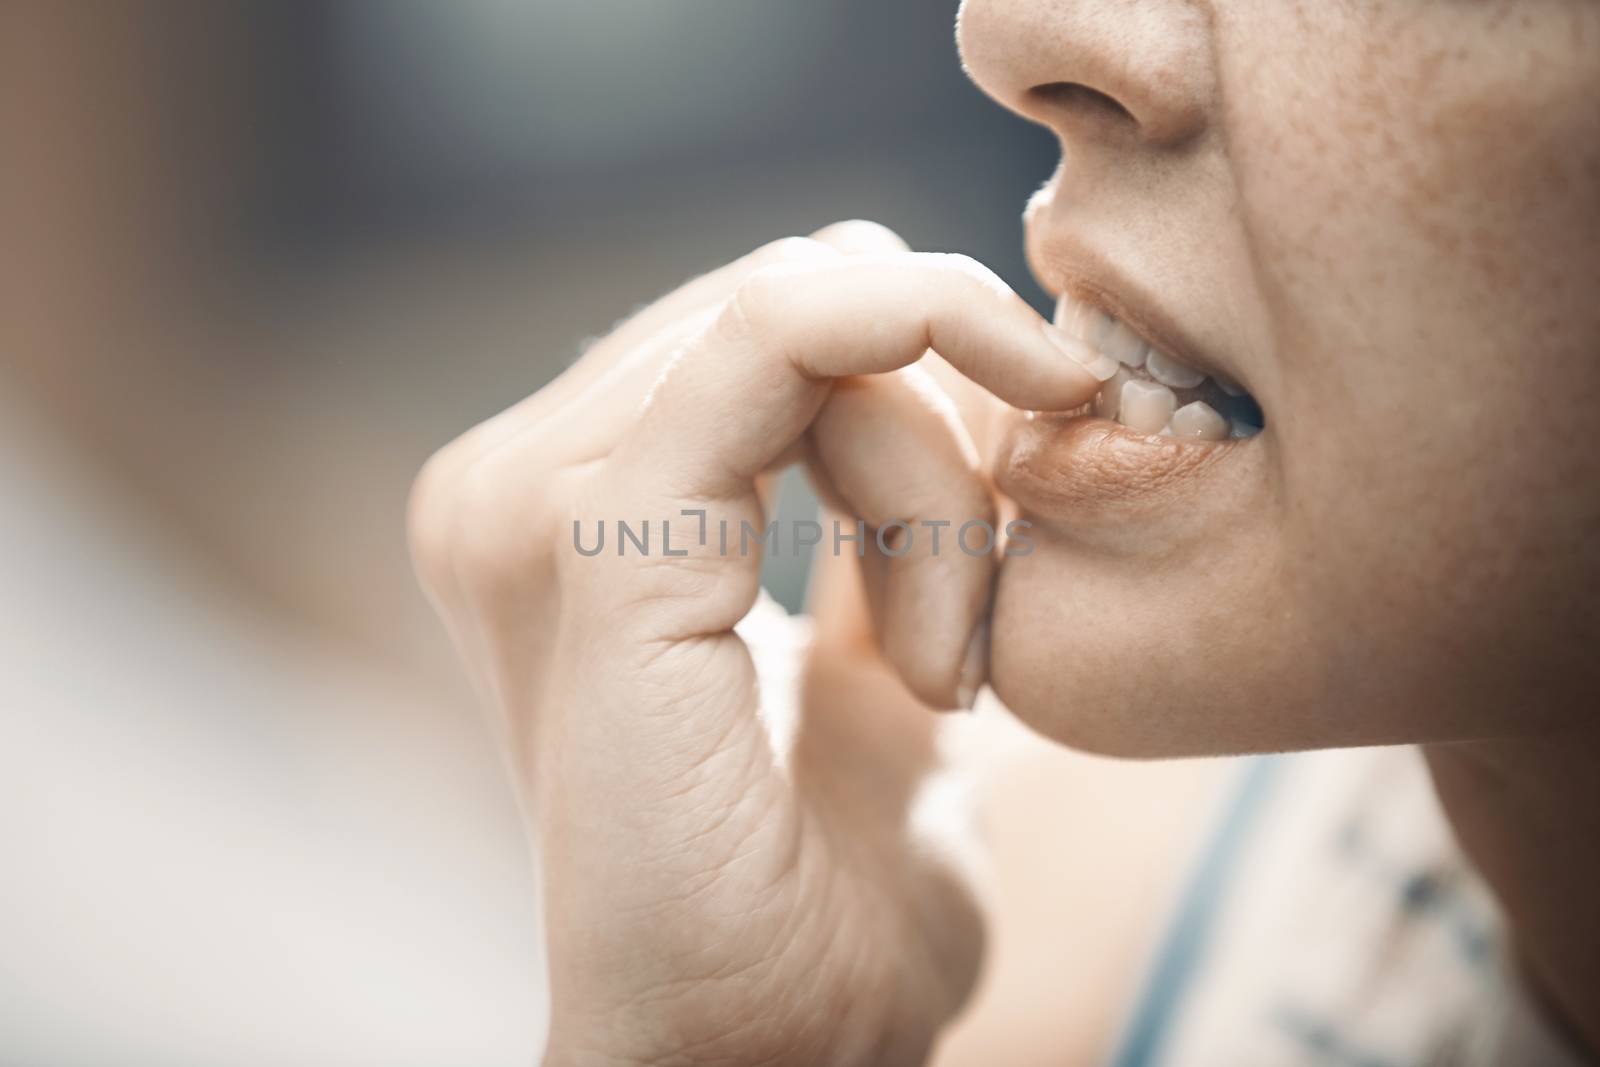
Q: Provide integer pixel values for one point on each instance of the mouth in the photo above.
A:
(1166, 433)
(1146, 389)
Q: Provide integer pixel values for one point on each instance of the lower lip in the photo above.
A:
(1080, 469)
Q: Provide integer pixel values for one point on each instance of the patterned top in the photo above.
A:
(1333, 922)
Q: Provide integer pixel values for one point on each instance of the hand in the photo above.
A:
(718, 889)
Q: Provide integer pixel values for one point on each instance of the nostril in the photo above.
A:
(1079, 102)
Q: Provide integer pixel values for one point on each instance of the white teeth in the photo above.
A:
(1108, 402)
(1168, 371)
(1125, 346)
(1083, 321)
(1139, 380)
(1199, 420)
(1095, 326)
(1066, 314)
(1146, 406)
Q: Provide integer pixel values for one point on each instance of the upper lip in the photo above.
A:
(1064, 264)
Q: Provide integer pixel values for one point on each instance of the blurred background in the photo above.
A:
(257, 261)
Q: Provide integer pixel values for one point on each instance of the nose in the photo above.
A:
(1129, 72)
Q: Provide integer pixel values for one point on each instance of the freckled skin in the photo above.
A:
(1430, 279)
(1384, 217)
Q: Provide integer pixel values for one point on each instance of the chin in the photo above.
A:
(1145, 617)
(1183, 632)
(1156, 677)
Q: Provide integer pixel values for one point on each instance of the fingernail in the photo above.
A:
(1102, 366)
(974, 667)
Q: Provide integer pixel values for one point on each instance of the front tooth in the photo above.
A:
(1083, 321)
(1146, 406)
(1109, 400)
(1199, 420)
(1125, 346)
(1168, 371)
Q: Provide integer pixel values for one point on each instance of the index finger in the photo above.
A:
(751, 383)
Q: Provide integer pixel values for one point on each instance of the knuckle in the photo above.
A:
(758, 298)
(430, 518)
(968, 269)
(861, 235)
(496, 542)
(790, 250)
(756, 301)
(472, 529)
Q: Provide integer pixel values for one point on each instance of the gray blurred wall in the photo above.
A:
(530, 171)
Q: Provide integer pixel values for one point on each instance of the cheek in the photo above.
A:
(1422, 199)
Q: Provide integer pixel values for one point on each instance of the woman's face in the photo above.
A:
(1382, 219)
